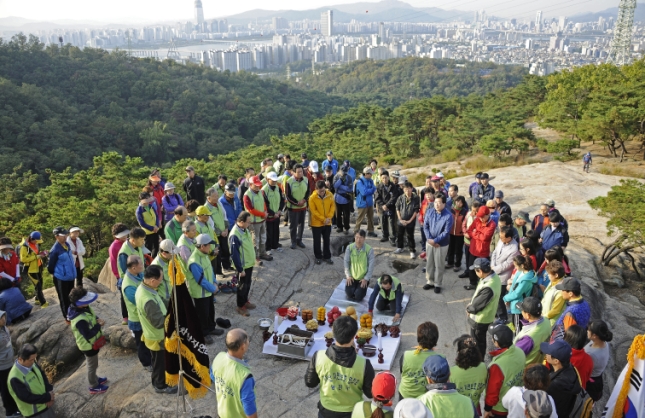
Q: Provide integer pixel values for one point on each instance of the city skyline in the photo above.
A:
(148, 11)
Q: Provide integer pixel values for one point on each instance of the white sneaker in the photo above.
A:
(413, 255)
(398, 251)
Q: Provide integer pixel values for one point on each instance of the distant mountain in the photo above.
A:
(386, 10)
(27, 25)
(639, 15)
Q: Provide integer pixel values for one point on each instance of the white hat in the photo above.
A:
(314, 166)
(272, 176)
(169, 186)
(75, 228)
(169, 246)
(5, 246)
(403, 179)
(411, 408)
(204, 239)
(87, 299)
(440, 174)
(123, 234)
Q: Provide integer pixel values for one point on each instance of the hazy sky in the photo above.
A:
(181, 10)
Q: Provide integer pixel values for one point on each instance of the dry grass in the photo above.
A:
(52, 371)
(623, 170)
(481, 162)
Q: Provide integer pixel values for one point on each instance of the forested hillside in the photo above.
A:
(62, 107)
(392, 82)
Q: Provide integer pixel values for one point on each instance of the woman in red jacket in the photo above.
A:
(480, 234)
(576, 336)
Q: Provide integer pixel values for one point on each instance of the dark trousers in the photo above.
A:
(124, 309)
(326, 413)
(158, 369)
(469, 262)
(143, 352)
(501, 305)
(383, 304)
(472, 276)
(37, 280)
(7, 400)
(389, 222)
(478, 332)
(322, 233)
(455, 250)
(593, 388)
(424, 240)
(355, 292)
(206, 313)
(152, 243)
(62, 289)
(79, 277)
(342, 215)
(406, 230)
(224, 255)
(244, 283)
(273, 234)
(296, 225)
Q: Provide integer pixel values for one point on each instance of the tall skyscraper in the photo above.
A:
(562, 22)
(538, 21)
(327, 22)
(199, 13)
(381, 31)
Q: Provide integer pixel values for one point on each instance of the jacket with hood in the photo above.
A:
(480, 237)
(29, 257)
(13, 303)
(232, 209)
(343, 186)
(563, 389)
(61, 263)
(552, 237)
(365, 190)
(521, 287)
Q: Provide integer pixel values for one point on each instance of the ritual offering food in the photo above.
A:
(320, 315)
(312, 325)
(351, 311)
(333, 315)
(382, 328)
(366, 321)
(307, 315)
(329, 335)
(395, 331)
(369, 350)
(292, 313)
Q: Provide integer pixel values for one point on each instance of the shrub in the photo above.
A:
(542, 144)
(563, 146)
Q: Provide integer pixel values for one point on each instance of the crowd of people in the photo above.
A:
(548, 354)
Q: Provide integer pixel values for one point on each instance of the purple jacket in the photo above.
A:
(170, 203)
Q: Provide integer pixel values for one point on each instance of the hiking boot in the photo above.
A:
(98, 389)
(427, 286)
(217, 332)
(449, 266)
(464, 275)
(37, 302)
(102, 380)
(339, 230)
(398, 251)
(208, 340)
(456, 269)
(437, 289)
(250, 305)
(168, 390)
(329, 261)
(293, 246)
(385, 239)
(242, 311)
(372, 234)
(318, 261)
(266, 257)
(46, 304)
(301, 245)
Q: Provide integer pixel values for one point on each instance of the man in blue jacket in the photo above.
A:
(436, 226)
(365, 190)
(554, 234)
(231, 203)
(61, 266)
(343, 198)
(330, 162)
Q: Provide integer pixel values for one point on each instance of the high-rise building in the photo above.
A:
(280, 23)
(528, 44)
(562, 22)
(538, 21)
(327, 22)
(199, 13)
(381, 31)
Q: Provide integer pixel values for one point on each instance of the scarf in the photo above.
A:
(193, 353)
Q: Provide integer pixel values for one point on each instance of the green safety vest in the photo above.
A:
(451, 404)
(364, 410)
(34, 380)
(413, 379)
(257, 200)
(511, 362)
(298, 191)
(173, 230)
(470, 382)
(340, 387)
(273, 195)
(395, 283)
(149, 217)
(539, 333)
(229, 376)
(247, 253)
(128, 281)
(164, 287)
(220, 190)
(205, 228)
(204, 261)
(217, 215)
(487, 315)
(547, 302)
(81, 342)
(144, 295)
(358, 261)
(129, 250)
(184, 241)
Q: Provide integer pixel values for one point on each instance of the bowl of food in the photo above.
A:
(264, 324)
(369, 350)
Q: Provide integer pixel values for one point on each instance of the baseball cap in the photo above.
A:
(395, 173)
(530, 304)
(368, 170)
(169, 186)
(314, 166)
(203, 210)
(435, 178)
(204, 239)
(272, 176)
(411, 408)
(87, 299)
(330, 153)
(59, 230)
(384, 386)
(501, 334)
(499, 193)
(36, 236)
(123, 233)
(440, 175)
(549, 202)
(483, 211)
(480, 264)
(523, 215)
(280, 156)
(6, 246)
(230, 187)
(537, 403)
(75, 228)
(570, 284)
(256, 181)
(436, 368)
(168, 246)
(558, 349)
(190, 168)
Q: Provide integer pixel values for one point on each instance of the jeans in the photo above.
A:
(62, 289)
(244, 283)
(455, 250)
(259, 238)
(296, 225)
(92, 366)
(273, 235)
(158, 369)
(355, 291)
(388, 221)
(435, 264)
(152, 243)
(342, 216)
(409, 230)
(479, 332)
(362, 214)
(322, 233)
(143, 352)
